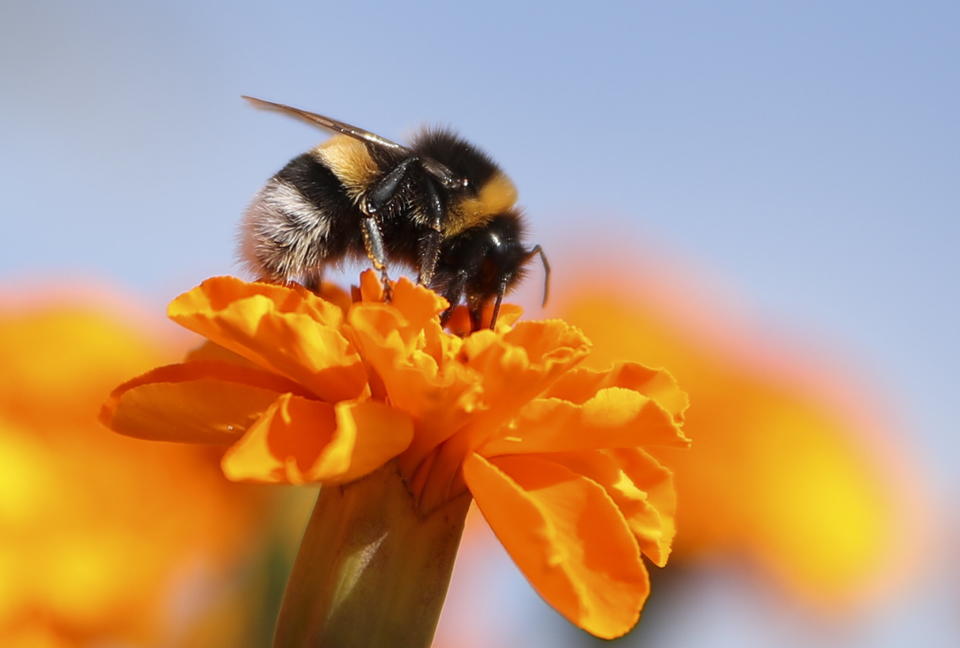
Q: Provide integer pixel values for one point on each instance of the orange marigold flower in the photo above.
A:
(788, 470)
(311, 389)
(100, 542)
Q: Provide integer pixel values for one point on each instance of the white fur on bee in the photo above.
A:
(283, 233)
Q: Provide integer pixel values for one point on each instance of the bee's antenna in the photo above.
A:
(496, 304)
(536, 249)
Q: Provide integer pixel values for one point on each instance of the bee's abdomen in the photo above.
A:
(301, 220)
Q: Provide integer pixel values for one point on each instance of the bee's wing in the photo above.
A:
(434, 168)
(331, 124)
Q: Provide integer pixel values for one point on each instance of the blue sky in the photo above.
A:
(802, 154)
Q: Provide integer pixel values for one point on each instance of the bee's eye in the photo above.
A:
(465, 183)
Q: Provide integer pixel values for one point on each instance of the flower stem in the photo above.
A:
(372, 570)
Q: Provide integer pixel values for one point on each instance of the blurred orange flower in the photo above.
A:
(100, 542)
(782, 470)
(309, 389)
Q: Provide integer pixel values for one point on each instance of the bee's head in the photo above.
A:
(486, 262)
(501, 258)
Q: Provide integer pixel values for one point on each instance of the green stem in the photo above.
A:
(371, 571)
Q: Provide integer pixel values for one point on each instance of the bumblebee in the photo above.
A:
(441, 207)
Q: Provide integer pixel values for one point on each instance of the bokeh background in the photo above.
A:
(764, 193)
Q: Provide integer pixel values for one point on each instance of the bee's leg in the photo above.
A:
(430, 246)
(453, 294)
(376, 252)
(499, 300)
(386, 188)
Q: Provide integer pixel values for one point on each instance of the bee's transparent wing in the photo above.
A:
(331, 124)
(434, 168)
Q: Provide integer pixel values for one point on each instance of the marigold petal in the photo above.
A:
(461, 324)
(218, 293)
(211, 352)
(199, 402)
(568, 538)
(298, 440)
(334, 294)
(518, 365)
(512, 368)
(581, 384)
(642, 489)
(286, 329)
(410, 364)
(370, 289)
(655, 532)
(552, 341)
(613, 418)
(766, 421)
(418, 304)
(412, 309)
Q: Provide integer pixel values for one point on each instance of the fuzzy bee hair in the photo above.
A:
(441, 206)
